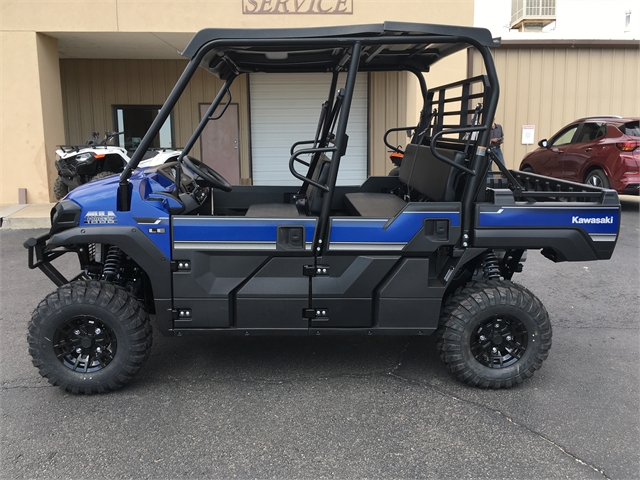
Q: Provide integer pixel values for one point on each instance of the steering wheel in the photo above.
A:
(208, 174)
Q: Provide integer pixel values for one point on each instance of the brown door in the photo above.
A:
(219, 143)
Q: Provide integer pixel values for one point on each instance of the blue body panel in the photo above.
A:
(99, 208)
(235, 229)
(600, 220)
(352, 231)
(399, 231)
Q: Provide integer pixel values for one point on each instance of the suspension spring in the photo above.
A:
(491, 266)
(112, 261)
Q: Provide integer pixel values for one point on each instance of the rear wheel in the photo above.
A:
(527, 169)
(494, 334)
(89, 337)
(60, 189)
(597, 178)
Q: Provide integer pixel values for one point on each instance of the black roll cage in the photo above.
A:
(352, 45)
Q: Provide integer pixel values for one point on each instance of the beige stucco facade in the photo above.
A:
(62, 62)
(31, 112)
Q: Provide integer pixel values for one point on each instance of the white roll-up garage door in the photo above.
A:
(285, 109)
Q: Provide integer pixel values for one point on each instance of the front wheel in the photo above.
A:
(89, 337)
(60, 189)
(101, 175)
(494, 334)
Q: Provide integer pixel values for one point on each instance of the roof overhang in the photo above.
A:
(390, 46)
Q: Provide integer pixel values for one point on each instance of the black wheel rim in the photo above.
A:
(595, 180)
(84, 344)
(499, 341)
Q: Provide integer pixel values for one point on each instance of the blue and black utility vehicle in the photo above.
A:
(432, 250)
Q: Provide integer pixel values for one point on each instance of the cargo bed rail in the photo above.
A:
(539, 188)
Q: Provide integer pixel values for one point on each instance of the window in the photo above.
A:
(591, 131)
(135, 120)
(632, 129)
(564, 137)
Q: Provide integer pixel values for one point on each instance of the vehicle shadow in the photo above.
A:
(186, 360)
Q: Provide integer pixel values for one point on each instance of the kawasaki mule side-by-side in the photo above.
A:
(430, 251)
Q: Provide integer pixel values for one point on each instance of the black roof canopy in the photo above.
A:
(385, 47)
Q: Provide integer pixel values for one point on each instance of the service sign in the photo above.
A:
(297, 7)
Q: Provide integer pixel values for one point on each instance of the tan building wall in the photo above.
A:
(193, 15)
(32, 113)
(91, 87)
(30, 117)
(549, 86)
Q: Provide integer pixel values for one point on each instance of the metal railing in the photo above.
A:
(532, 10)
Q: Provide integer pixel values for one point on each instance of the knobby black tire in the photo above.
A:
(101, 175)
(116, 309)
(477, 302)
(60, 189)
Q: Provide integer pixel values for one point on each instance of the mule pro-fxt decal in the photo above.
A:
(100, 217)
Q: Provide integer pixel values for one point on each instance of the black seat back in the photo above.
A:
(433, 178)
(310, 197)
(314, 194)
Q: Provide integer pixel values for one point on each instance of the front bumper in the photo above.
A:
(40, 257)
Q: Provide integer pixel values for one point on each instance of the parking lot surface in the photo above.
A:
(341, 407)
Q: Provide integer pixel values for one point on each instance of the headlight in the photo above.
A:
(64, 215)
(83, 157)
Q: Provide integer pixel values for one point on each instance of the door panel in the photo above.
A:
(582, 149)
(275, 296)
(344, 291)
(219, 143)
(553, 167)
(575, 158)
(203, 283)
(385, 289)
(235, 271)
(557, 148)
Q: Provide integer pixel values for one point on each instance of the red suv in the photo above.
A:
(601, 151)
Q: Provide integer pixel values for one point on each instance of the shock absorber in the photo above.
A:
(112, 262)
(491, 266)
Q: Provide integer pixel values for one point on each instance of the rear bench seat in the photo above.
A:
(422, 172)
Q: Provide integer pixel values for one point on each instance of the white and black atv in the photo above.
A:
(80, 164)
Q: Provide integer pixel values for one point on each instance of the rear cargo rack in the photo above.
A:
(534, 187)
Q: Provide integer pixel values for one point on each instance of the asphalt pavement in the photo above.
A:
(340, 407)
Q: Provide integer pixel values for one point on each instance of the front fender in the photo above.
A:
(133, 242)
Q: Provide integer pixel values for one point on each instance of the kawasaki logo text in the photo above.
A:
(577, 219)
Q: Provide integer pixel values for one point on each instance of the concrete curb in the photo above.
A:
(18, 217)
(25, 223)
